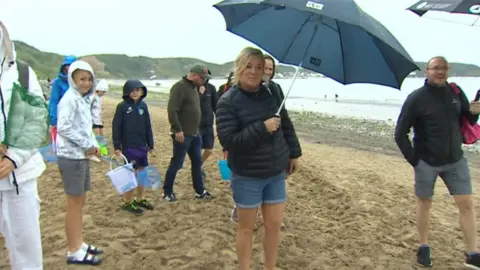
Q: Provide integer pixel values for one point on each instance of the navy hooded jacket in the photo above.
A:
(59, 87)
(131, 127)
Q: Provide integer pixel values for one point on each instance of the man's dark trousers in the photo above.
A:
(192, 145)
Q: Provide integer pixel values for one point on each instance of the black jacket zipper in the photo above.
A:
(448, 113)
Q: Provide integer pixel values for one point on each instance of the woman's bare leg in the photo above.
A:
(272, 218)
(246, 222)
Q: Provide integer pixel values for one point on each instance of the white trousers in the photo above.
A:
(20, 226)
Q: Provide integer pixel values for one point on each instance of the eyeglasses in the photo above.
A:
(436, 69)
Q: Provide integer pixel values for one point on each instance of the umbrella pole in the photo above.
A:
(298, 70)
(289, 89)
(476, 20)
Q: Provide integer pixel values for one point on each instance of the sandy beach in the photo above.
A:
(351, 206)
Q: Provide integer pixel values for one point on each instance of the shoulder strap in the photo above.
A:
(455, 88)
(225, 87)
(23, 74)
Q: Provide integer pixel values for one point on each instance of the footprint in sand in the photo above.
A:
(120, 247)
(230, 253)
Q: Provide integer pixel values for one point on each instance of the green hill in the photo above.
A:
(46, 64)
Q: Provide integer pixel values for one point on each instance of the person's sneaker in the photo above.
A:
(472, 261)
(424, 257)
(234, 215)
(132, 208)
(204, 196)
(170, 197)
(144, 204)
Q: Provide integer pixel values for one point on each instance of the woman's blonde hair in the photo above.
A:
(241, 62)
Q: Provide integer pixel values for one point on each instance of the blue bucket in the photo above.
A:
(48, 154)
(225, 172)
(149, 177)
(102, 140)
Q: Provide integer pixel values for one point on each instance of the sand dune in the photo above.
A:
(347, 209)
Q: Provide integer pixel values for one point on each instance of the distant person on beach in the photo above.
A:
(268, 79)
(19, 168)
(97, 101)
(224, 87)
(262, 150)
(208, 105)
(221, 90)
(184, 115)
(434, 111)
(336, 97)
(75, 144)
(132, 136)
(59, 87)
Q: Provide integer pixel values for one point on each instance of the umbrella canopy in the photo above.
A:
(332, 37)
(452, 6)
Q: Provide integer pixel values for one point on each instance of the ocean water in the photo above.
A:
(357, 100)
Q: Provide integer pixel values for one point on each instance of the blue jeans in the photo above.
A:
(192, 145)
(251, 192)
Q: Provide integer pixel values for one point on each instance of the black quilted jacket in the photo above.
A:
(252, 150)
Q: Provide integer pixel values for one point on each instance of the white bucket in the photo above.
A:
(123, 177)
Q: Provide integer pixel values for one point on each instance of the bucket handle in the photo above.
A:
(113, 158)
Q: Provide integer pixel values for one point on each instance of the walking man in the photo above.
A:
(435, 111)
(184, 115)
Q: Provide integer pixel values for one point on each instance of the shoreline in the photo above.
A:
(363, 134)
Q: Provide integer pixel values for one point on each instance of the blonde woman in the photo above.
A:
(262, 150)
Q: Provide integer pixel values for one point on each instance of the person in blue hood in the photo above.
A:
(132, 136)
(59, 87)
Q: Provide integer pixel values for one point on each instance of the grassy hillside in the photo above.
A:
(122, 66)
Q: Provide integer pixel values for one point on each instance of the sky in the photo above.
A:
(193, 28)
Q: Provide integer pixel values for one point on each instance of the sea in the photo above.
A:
(365, 101)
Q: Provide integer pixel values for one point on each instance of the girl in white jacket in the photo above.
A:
(19, 170)
(97, 101)
(75, 144)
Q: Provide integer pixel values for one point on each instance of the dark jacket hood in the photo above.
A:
(128, 88)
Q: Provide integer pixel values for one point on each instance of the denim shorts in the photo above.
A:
(208, 137)
(251, 192)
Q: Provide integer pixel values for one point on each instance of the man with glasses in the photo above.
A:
(435, 111)
(184, 115)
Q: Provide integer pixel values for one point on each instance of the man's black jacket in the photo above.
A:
(435, 114)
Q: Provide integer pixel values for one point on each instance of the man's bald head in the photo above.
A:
(436, 59)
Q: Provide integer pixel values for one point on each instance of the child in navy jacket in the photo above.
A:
(133, 137)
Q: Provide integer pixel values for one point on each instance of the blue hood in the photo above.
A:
(67, 60)
(128, 88)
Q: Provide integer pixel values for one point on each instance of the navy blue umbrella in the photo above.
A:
(452, 6)
(332, 37)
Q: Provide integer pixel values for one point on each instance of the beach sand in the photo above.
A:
(347, 209)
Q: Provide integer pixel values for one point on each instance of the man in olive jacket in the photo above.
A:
(184, 115)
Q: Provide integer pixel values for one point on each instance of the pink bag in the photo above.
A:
(471, 133)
